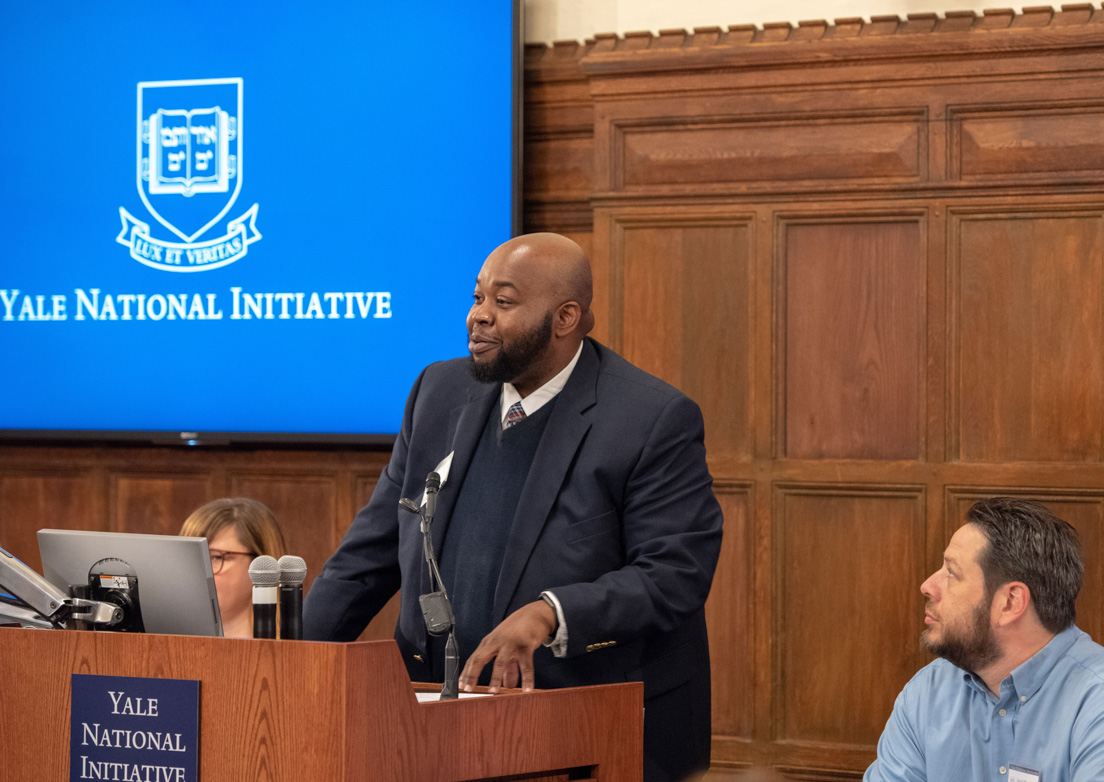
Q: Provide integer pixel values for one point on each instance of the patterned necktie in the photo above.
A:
(514, 414)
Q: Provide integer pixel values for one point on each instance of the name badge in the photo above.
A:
(1021, 774)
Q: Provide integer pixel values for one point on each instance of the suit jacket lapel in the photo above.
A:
(466, 424)
(563, 434)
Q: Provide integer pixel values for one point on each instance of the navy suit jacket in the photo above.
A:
(617, 518)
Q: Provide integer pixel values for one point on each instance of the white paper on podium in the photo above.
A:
(433, 697)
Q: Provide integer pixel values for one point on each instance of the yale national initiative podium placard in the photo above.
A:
(127, 729)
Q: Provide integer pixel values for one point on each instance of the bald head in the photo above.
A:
(553, 262)
(531, 310)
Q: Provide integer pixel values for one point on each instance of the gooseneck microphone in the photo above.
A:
(436, 607)
(292, 572)
(433, 484)
(264, 572)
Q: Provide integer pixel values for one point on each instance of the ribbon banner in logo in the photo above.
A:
(189, 257)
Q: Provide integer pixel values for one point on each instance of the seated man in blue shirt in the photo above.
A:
(1018, 695)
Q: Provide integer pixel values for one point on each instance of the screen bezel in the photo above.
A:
(290, 439)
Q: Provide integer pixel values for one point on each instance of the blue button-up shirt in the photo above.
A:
(946, 725)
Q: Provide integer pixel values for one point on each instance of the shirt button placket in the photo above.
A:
(1003, 740)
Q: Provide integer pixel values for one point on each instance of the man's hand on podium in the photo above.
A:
(511, 646)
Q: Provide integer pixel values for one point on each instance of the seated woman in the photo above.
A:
(237, 531)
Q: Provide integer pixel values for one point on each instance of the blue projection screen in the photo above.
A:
(244, 220)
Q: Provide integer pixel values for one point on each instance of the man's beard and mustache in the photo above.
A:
(971, 649)
(515, 358)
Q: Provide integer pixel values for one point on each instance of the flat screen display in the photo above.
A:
(168, 577)
(245, 220)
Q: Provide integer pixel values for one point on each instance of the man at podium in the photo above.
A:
(576, 527)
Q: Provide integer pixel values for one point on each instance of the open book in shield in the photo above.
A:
(189, 151)
(190, 171)
(190, 144)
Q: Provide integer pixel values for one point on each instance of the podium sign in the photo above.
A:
(288, 711)
(134, 729)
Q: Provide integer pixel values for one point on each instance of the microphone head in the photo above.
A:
(264, 571)
(292, 570)
(433, 482)
(409, 505)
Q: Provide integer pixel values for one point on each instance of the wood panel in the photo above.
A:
(1027, 142)
(839, 604)
(33, 501)
(305, 507)
(852, 298)
(681, 293)
(564, 162)
(559, 141)
(1028, 335)
(768, 149)
(729, 612)
(158, 504)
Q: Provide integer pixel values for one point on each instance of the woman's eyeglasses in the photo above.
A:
(218, 557)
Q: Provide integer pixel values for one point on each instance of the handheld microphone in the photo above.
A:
(292, 572)
(433, 483)
(264, 572)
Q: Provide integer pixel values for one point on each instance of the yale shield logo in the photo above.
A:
(189, 172)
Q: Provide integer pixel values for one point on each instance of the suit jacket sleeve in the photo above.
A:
(363, 574)
(671, 531)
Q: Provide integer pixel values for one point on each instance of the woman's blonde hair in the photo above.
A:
(254, 523)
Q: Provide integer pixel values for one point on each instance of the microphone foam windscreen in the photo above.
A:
(292, 570)
(264, 571)
(433, 481)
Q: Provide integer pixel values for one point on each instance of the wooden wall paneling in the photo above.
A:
(682, 284)
(766, 646)
(43, 499)
(558, 156)
(862, 146)
(1028, 333)
(1034, 141)
(304, 506)
(560, 164)
(853, 333)
(1083, 508)
(156, 504)
(846, 625)
(1039, 40)
(730, 615)
(936, 309)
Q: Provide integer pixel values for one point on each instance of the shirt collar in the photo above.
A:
(1030, 675)
(543, 395)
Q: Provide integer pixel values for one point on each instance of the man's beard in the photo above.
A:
(515, 359)
(970, 650)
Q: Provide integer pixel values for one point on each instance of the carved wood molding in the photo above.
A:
(955, 33)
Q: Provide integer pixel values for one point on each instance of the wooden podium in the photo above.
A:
(292, 710)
